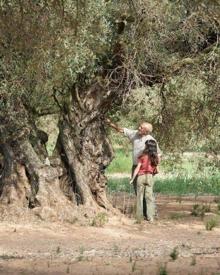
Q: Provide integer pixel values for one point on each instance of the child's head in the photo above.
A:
(151, 151)
(151, 146)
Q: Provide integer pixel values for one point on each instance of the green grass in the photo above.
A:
(210, 224)
(163, 270)
(177, 215)
(119, 185)
(180, 176)
(179, 186)
(199, 210)
(173, 186)
(121, 163)
(174, 254)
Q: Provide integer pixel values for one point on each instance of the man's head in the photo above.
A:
(145, 128)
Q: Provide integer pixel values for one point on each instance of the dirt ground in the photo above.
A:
(176, 243)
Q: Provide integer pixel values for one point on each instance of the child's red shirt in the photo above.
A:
(146, 167)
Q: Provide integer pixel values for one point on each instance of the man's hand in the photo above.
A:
(107, 120)
(131, 181)
(114, 126)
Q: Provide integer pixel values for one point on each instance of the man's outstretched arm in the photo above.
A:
(114, 126)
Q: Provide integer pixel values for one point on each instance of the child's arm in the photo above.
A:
(155, 171)
(135, 172)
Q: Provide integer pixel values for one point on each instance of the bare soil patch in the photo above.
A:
(121, 246)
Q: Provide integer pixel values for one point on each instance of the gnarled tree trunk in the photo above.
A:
(85, 157)
(84, 147)
(26, 179)
(75, 182)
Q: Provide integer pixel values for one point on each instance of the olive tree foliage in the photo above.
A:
(181, 61)
(46, 45)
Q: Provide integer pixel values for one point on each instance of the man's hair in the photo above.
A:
(148, 126)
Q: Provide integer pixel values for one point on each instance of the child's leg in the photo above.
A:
(139, 201)
(150, 198)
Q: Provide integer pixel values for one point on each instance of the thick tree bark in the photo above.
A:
(27, 182)
(84, 147)
(14, 187)
(85, 156)
(75, 184)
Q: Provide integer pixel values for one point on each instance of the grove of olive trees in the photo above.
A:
(83, 60)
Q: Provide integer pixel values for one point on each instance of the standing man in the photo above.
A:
(138, 139)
